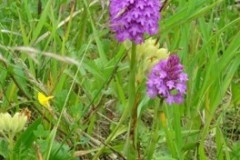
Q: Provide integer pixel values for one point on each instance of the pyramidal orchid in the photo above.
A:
(167, 80)
(130, 19)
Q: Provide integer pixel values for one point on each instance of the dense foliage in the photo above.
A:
(85, 96)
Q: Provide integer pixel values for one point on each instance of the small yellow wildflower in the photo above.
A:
(44, 100)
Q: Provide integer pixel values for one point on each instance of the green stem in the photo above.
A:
(10, 146)
(131, 99)
(155, 126)
(131, 89)
(131, 143)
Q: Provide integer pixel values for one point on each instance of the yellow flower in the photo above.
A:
(44, 100)
(148, 54)
(12, 124)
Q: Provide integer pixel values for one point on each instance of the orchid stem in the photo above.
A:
(132, 77)
(130, 146)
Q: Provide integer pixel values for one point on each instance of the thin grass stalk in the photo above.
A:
(53, 133)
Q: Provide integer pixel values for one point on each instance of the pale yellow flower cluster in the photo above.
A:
(148, 54)
(12, 124)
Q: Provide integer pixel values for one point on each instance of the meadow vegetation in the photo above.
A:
(62, 67)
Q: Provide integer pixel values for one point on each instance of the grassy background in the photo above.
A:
(65, 48)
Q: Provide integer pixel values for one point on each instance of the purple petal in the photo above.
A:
(183, 77)
(181, 87)
(170, 84)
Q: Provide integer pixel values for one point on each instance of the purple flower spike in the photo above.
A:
(130, 19)
(168, 80)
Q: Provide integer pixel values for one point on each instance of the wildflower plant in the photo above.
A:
(167, 80)
(44, 100)
(130, 19)
(10, 126)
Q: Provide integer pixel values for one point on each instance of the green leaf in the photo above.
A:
(3, 148)
(26, 139)
(235, 93)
